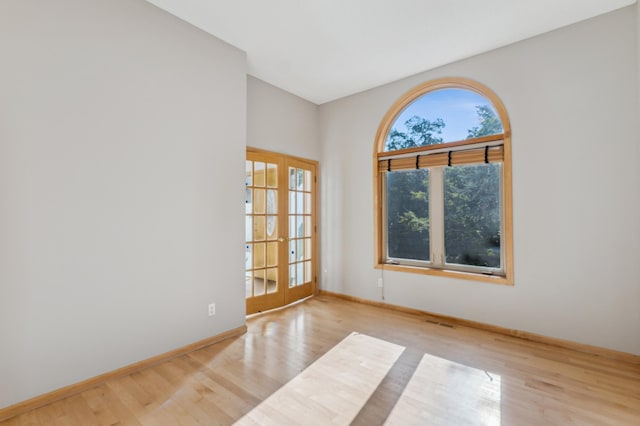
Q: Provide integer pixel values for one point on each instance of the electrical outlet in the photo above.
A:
(212, 309)
(380, 282)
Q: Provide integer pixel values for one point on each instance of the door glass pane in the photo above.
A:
(258, 282)
(248, 221)
(292, 275)
(472, 215)
(272, 281)
(307, 248)
(272, 227)
(248, 173)
(248, 204)
(258, 174)
(307, 272)
(292, 178)
(272, 175)
(248, 258)
(248, 279)
(292, 202)
(258, 228)
(299, 202)
(307, 180)
(259, 201)
(407, 210)
(300, 185)
(258, 255)
(292, 226)
(307, 227)
(272, 201)
(307, 203)
(300, 226)
(300, 273)
(272, 254)
(292, 250)
(300, 250)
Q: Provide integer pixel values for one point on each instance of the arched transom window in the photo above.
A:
(443, 183)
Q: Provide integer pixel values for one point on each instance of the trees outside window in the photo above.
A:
(443, 173)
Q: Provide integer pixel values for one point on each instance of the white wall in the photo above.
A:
(122, 144)
(576, 228)
(280, 121)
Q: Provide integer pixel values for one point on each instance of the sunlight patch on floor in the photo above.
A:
(444, 392)
(333, 389)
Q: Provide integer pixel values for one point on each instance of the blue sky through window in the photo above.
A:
(456, 107)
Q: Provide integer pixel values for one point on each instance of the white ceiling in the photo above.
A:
(322, 50)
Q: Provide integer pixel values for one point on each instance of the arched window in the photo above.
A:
(443, 183)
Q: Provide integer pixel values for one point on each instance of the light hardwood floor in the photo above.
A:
(538, 384)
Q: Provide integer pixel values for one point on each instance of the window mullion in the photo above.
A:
(503, 212)
(436, 214)
(383, 215)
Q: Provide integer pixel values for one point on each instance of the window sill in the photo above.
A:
(471, 276)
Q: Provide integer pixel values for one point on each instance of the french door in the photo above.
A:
(280, 230)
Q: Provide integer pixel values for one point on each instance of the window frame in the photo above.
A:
(432, 267)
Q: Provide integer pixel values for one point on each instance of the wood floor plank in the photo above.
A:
(133, 396)
(221, 383)
(99, 402)
(80, 410)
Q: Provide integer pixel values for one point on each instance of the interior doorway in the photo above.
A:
(280, 229)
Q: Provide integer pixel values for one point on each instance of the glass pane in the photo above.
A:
(307, 248)
(259, 201)
(292, 202)
(292, 226)
(248, 203)
(408, 214)
(292, 178)
(472, 215)
(292, 251)
(300, 273)
(292, 275)
(258, 174)
(307, 203)
(307, 272)
(272, 254)
(272, 280)
(300, 250)
(300, 185)
(307, 227)
(258, 282)
(442, 116)
(248, 221)
(258, 228)
(272, 201)
(299, 202)
(272, 175)
(299, 226)
(248, 278)
(247, 171)
(272, 227)
(307, 180)
(258, 255)
(248, 259)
